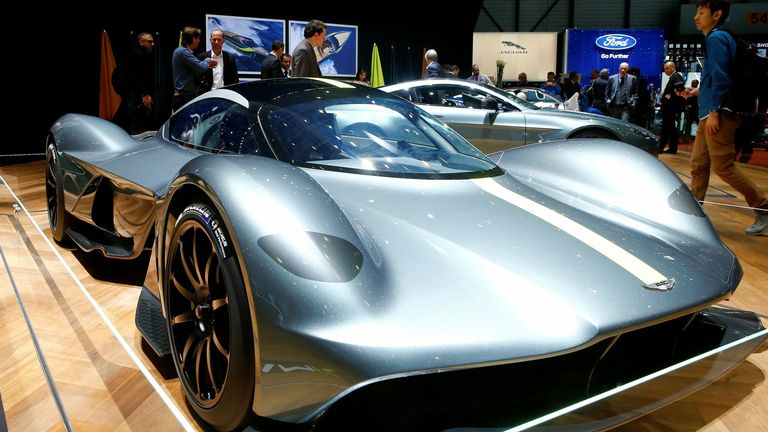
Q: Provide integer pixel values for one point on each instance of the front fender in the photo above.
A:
(262, 199)
(93, 139)
(622, 184)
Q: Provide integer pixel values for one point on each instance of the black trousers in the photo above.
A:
(180, 98)
(669, 132)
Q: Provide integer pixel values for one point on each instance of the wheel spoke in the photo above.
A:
(181, 289)
(208, 265)
(195, 252)
(215, 386)
(187, 347)
(51, 166)
(183, 318)
(219, 346)
(180, 255)
(51, 192)
(185, 365)
(198, 361)
(219, 303)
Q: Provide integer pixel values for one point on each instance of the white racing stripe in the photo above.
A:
(647, 274)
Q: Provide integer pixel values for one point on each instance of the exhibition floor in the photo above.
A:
(78, 314)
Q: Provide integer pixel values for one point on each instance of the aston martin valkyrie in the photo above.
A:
(331, 256)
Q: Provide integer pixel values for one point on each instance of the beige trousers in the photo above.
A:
(718, 153)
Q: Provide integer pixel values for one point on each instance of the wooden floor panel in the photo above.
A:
(103, 389)
(99, 385)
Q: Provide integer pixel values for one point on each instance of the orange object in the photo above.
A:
(109, 100)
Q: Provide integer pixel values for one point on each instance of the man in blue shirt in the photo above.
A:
(714, 145)
(186, 67)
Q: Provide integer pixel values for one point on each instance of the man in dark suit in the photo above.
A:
(621, 93)
(270, 66)
(671, 106)
(434, 69)
(304, 58)
(597, 90)
(225, 73)
(285, 66)
(134, 81)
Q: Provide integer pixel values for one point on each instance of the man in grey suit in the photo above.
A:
(477, 77)
(621, 93)
(304, 58)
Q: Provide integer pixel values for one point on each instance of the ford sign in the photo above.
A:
(616, 41)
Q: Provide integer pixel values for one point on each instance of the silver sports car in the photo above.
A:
(494, 120)
(335, 257)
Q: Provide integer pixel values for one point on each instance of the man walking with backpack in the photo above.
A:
(714, 145)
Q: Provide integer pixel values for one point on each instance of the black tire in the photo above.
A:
(58, 218)
(594, 133)
(209, 324)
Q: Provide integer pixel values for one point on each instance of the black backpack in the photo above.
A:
(749, 73)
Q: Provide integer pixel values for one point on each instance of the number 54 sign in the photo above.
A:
(757, 18)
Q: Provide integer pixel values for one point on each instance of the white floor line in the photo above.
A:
(744, 207)
(148, 375)
(637, 382)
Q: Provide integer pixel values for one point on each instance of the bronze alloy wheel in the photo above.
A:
(51, 186)
(215, 367)
(54, 195)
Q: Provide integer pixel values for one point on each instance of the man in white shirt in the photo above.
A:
(225, 73)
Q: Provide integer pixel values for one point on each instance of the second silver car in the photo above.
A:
(494, 120)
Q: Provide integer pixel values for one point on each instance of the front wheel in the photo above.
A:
(54, 196)
(208, 319)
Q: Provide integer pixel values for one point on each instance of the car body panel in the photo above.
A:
(536, 256)
(484, 129)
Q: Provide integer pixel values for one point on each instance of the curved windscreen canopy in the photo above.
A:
(334, 129)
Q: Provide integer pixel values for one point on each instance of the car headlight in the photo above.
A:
(315, 256)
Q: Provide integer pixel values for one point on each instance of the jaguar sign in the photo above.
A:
(616, 42)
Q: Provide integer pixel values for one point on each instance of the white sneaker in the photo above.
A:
(760, 227)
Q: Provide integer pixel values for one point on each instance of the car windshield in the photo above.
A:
(378, 135)
(507, 97)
